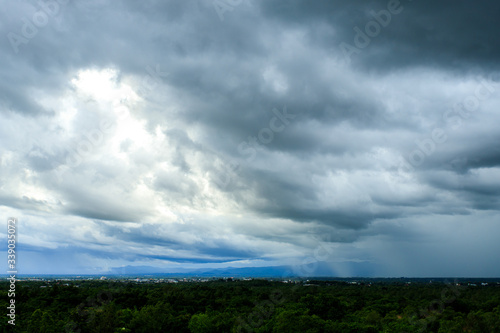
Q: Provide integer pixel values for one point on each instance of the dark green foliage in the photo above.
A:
(252, 306)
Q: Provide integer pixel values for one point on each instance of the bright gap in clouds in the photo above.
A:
(99, 84)
(104, 87)
(144, 157)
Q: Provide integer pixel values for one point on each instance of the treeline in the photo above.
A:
(252, 306)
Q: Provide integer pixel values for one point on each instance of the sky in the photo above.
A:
(360, 135)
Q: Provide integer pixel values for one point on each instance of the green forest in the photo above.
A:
(257, 305)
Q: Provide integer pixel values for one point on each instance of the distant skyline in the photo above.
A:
(184, 135)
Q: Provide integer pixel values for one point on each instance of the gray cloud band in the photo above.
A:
(249, 147)
(372, 29)
(30, 26)
(454, 117)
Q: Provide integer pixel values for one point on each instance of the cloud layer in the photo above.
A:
(236, 133)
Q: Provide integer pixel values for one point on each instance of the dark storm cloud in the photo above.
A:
(481, 153)
(16, 101)
(290, 196)
(138, 234)
(24, 203)
(454, 35)
(93, 204)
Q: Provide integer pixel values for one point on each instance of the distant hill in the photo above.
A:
(317, 269)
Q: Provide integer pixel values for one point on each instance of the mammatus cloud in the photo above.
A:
(211, 134)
